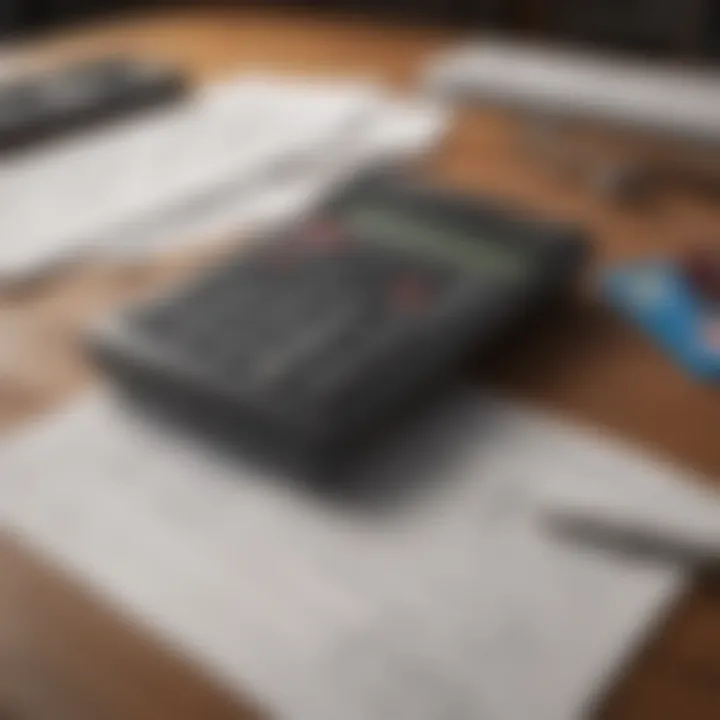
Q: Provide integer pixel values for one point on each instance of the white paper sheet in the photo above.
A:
(569, 84)
(397, 131)
(453, 604)
(202, 164)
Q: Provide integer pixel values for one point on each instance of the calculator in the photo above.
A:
(316, 341)
(49, 105)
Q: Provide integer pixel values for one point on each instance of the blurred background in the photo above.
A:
(633, 171)
(688, 29)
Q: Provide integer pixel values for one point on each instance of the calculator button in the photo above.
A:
(411, 294)
(333, 382)
(307, 345)
(322, 234)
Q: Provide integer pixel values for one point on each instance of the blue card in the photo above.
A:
(657, 297)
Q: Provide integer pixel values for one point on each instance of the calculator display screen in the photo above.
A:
(483, 254)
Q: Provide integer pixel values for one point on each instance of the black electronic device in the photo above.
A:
(45, 106)
(314, 341)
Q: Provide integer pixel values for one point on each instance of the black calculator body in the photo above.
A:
(49, 105)
(314, 342)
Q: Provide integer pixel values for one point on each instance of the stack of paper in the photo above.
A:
(207, 163)
(453, 604)
(547, 80)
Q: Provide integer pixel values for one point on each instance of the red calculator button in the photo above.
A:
(323, 235)
(411, 293)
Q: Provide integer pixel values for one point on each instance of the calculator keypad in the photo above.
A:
(307, 317)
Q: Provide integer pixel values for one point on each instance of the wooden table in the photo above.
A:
(64, 655)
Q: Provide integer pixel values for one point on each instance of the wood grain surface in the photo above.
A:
(63, 655)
